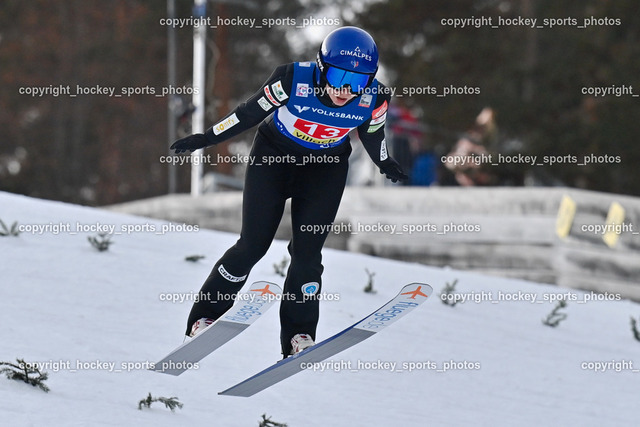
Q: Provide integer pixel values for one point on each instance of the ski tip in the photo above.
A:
(265, 289)
(418, 292)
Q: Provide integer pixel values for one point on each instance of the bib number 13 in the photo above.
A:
(318, 130)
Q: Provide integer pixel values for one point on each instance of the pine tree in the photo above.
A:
(281, 268)
(531, 77)
(369, 287)
(447, 292)
(634, 329)
(266, 422)
(6, 231)
(101, 242)
(554, 318)
(170, 402)
(25, 372)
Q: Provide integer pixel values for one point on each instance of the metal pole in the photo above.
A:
(197, 119)
(171, 81)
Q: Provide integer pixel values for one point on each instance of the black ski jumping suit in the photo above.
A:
(300, 151)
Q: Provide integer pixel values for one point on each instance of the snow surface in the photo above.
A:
(65, 303)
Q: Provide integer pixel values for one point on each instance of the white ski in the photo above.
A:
(249, 306)
(409, 297)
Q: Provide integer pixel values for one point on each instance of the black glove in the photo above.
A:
(392, 170)
(190, 143)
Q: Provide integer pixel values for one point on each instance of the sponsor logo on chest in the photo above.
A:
(337, 114)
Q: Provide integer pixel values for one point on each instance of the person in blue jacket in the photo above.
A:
(301, 150)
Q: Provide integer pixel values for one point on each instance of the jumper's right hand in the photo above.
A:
(190, 143)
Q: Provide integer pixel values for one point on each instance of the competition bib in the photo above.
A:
(310, 123)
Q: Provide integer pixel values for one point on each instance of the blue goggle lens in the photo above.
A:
(338, 78)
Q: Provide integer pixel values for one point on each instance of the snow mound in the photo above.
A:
(95, 320)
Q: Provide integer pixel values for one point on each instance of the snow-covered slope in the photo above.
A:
(97, 319)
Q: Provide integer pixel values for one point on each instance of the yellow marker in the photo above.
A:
(615, 219)
(566, 213)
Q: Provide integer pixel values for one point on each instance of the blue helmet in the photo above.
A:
(348, 57)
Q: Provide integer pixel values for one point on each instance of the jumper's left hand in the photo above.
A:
(392, 170)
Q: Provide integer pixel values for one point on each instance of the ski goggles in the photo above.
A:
(339, 78)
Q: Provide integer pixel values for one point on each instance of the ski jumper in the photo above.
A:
(300, 151)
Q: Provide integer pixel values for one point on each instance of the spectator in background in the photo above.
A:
(409, 148)
(473, 145)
